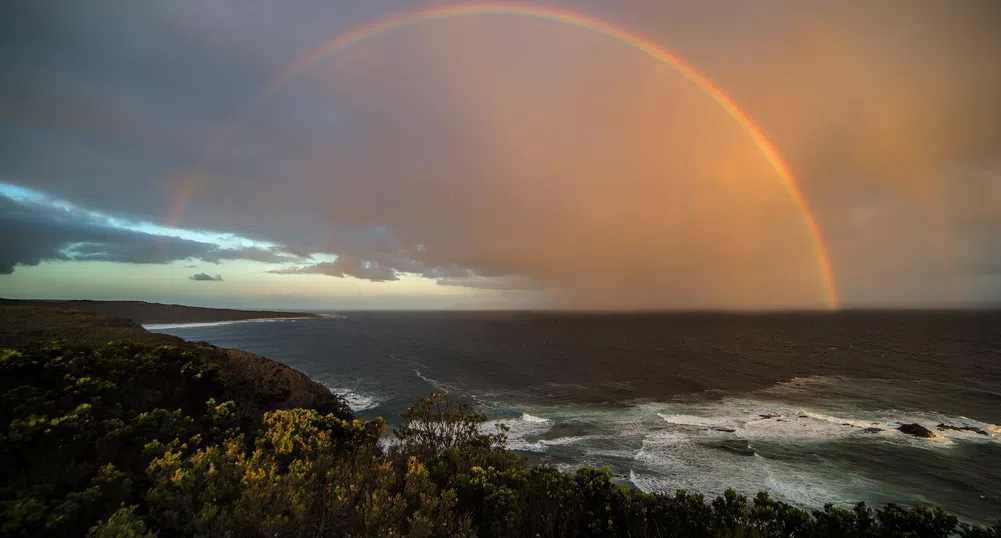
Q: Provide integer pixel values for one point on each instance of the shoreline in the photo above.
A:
(183, 325)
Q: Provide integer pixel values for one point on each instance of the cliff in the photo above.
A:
(258, 383)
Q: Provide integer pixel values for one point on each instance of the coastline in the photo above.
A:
(182, 325)
(267, 383)
(260, 385)
(145, 313)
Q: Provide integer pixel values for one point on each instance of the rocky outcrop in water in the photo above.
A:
(943, 427)
(916, 430)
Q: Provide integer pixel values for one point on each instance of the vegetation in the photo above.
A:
(127, 439)
(143, 312)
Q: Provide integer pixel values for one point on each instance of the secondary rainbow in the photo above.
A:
(584, 22)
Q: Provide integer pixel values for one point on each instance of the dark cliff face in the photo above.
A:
(257, 383)
(272, 385)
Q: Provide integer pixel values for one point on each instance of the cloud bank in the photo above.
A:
(33, 231)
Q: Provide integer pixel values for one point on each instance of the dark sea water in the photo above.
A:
(777, 402)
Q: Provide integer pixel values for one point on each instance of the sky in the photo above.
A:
(501, 161)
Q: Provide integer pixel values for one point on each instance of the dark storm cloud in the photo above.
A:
(205, 277)
(345, 266)
(525, 151)
(31, 233)
(446, 272)
(276, 255)
(131, 96)
(383, 267)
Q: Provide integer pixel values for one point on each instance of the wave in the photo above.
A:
(522, 433)
(793, 451)
(433, 382)
(669, 461)
(768, 421)
(357, 401)
(542, 445)
(164, 326)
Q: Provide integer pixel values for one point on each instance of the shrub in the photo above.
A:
(126, 440)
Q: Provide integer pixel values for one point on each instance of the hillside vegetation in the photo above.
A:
(149, 313)
(153, 437)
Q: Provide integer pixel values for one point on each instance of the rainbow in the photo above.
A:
(577, 20)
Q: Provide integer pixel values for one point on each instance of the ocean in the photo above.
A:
(802, 405)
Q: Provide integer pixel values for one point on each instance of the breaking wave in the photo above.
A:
(357, 401)
(749, 444)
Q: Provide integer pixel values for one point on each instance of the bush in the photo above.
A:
(126, 440)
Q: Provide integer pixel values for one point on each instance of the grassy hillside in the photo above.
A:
(255, 381)
(149, 313)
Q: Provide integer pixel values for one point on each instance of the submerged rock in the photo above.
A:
(942, 427)
(727, 430)
(871, 430)
(916, 430)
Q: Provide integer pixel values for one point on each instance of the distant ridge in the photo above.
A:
(145, 313)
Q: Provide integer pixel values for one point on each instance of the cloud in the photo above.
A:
(33, 231)
(521, 151)
(205, 277)
(344, 266)
(263, 255)
(30, 235)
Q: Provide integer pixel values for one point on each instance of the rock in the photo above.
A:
(727, 430)
(769, 416)
(943, 427)
(871, 430)
(916, 430)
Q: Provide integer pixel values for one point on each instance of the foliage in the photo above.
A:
(132, 440)
(435, 424)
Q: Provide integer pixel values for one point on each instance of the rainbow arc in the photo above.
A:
(558, 16)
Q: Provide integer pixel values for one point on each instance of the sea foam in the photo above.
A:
(357, 401)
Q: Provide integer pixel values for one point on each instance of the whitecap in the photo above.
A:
(670, 461)
(761, 421)
(357, 401)
(433, 382)
(522, 434)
